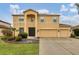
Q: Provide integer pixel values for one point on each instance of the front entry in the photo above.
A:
(31, 31)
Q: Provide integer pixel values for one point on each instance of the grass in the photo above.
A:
(18, 49)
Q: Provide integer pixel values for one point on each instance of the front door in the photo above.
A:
(32, 31)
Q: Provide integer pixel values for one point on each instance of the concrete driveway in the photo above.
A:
(58, 46)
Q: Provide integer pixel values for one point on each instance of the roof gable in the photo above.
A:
(30, 10)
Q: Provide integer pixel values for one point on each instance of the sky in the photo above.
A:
(68, 11)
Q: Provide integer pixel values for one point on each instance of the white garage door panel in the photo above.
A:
(47, 33)
(64, 33)
(54, 33)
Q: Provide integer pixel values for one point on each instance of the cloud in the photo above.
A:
(71, 20)
(73, 10)
(15, 6)
(63, 8)
(15, 9)
(72, 5)
(43, 11)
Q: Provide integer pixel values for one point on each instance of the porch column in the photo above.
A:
(36, 18)
(25, 24)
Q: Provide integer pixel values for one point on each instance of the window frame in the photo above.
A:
(54, 19)
(21, 31)
(21, 19)
(42, 19)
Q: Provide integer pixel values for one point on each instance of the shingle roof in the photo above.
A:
(75, 27)
(31, 10)
(5, 22)
(64, 25)
(3, 26)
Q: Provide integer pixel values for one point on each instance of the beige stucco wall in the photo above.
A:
(30, 24)
(16, 24)
(48, 22)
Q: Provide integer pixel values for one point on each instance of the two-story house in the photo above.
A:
(40, 25)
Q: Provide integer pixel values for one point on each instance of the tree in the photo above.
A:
(77, 4)
(14, 29)
(76, 32)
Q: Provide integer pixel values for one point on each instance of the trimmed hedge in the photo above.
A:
(8, 38)
(23, 35)
(18, 38)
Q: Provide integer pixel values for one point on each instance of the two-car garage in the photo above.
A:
(54, 33)
(63, 30)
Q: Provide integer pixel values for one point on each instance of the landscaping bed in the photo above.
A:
(27, 41)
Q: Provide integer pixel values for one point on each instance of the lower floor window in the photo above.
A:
(21, 30)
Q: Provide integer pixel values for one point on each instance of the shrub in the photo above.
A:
(5, 38)
(76, 32)
(23, 35)
(11, 38)
(8, 38)
(7, 32)
(72, 35)
(18, 38)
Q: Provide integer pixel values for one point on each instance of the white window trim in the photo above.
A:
(54, 18)
(42, 18)
(21, 17)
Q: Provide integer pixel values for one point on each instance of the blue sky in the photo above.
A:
(68, 11)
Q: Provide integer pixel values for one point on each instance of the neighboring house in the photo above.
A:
(4, 25)
(74, 27)
(40, 25)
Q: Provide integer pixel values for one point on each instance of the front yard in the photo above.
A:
(18, 49)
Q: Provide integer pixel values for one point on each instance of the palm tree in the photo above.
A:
(14, 29)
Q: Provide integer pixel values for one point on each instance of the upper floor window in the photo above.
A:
(54, 19)
(21, 18)
(41, 19)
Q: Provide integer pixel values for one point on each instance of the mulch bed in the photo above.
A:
(23, 41)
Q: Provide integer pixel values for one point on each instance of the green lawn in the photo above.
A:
(18, 49)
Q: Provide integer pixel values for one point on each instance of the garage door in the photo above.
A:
(47, 33)
(64, 33)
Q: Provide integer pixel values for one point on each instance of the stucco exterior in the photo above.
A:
(42, 27)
